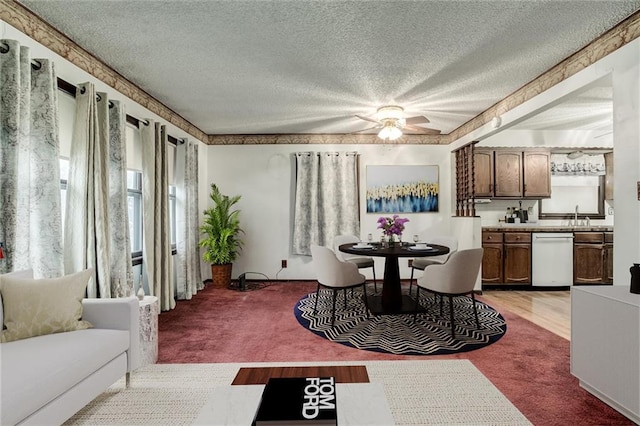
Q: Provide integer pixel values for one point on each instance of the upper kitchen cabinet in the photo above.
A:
(507, 173)
(483, 160)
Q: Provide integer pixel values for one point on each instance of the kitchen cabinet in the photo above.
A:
(517, 258)
(537, 174)
(483, 166)
(608, 258)
(507, 258)
(506, 173)
(592, 258)
(492, 257)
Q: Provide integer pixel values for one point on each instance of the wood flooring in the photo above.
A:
(548, 309)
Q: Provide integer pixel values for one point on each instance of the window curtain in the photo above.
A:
(120, 243)
(86, 233)
(188, 275)
(30, 212)
(586, 165)
(156, 252)
(326, 200)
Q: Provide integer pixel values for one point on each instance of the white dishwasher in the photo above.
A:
(552, 259)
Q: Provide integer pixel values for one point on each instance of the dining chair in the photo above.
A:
(336, 275)
(456, 277)
(360, 261)
(422, 262)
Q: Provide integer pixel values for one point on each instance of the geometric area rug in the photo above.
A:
(433, 392)
(398, 334)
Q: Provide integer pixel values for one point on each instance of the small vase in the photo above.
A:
(392, 241)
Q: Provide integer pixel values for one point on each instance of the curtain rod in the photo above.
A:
(71, 89)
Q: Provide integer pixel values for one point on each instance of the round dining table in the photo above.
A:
(392, 301)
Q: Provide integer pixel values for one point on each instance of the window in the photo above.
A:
(134, 201)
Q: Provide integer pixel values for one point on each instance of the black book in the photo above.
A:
(301, 401)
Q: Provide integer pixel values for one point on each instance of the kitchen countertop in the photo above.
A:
(526, 227)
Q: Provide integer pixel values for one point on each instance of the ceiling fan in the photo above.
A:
(391, 122)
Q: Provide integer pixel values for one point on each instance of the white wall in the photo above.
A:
(264, 175)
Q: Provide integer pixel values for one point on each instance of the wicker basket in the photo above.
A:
(221, 275)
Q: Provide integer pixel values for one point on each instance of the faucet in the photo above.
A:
(575, 217)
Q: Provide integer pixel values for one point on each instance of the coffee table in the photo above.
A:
(362, 404)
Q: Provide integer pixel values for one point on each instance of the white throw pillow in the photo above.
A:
(34, 307)
(27, 273)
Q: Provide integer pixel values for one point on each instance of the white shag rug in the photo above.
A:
(435, 392)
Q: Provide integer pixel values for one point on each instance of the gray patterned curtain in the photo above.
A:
(30, 212)
(120, 245)
(156, 253)
(189, 279)
(326, 201)
(86, 233)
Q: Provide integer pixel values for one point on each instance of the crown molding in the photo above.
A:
(325, 139)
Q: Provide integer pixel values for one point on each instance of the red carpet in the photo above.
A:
(529, 365)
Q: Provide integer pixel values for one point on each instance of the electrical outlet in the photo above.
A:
(410, 263)
(284, 263)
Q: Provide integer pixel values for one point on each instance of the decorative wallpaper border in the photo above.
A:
(24, 20)
(325, 139)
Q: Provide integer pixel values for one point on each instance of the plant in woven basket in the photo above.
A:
(221, 228)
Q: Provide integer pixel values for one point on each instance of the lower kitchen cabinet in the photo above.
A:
(592, 258)
(507, 258)
(517, 258)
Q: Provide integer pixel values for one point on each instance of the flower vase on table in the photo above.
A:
(392, 228)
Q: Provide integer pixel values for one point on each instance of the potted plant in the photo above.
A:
(221, 227)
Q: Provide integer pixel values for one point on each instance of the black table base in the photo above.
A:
(407, 306)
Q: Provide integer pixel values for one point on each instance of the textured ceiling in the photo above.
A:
(287, 67)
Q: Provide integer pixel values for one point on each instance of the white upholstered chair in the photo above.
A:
(335, 275)
(360, 261)
(456, 277)
(422, 262)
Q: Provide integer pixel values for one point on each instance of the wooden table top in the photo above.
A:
(342, 373)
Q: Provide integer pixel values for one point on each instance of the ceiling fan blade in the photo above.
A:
(418, 119)
(367, 119)
(423, 130)
(368, 128)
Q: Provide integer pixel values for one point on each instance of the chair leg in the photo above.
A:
(415, 312)
(475, 310)
(333, 311)
(375, 283)
(411, 281)
(366, 301)
(315, 305)
(345, 297)
(453, 326)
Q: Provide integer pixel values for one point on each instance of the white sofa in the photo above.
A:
(47, 379)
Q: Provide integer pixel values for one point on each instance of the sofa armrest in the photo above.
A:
(117, 314)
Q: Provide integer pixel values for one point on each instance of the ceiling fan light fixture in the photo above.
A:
(390, 112)
(390, 132)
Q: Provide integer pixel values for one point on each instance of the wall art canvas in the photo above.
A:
(402, 189)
